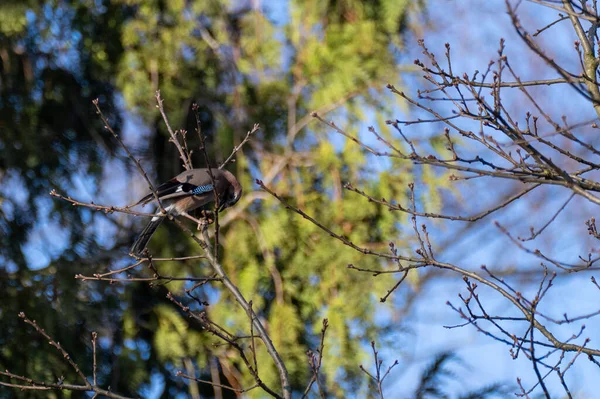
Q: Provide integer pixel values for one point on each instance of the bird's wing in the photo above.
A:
(176, 189)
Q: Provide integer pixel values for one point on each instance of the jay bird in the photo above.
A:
(185, 192)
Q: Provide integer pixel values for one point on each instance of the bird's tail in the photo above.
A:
(140, 244)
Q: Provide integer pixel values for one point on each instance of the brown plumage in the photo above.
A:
(187, 191)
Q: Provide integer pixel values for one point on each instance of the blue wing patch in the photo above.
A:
(202, 189)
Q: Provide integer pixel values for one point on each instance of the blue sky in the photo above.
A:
(474, 30)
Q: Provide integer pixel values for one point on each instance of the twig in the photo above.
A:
(227, 337)
(187, 164)
(344, 240)
(378, 378)
(44, 386)
(534, 233)
(211, 175)
(189, 377)
(129, 154)
(314, 361)
(232, 288)
(103, 208)
(94, 336)
(238, 147)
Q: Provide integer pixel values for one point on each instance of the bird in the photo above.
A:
(185, 192)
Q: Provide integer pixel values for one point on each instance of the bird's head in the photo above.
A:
(233, 193)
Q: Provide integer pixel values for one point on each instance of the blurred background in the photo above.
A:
(273, 63)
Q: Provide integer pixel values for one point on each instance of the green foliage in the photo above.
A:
(12, 19)
(242, 66)
(49, 140)
(174, 340)
(311, 265)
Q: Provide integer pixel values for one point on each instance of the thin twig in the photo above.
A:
(187, 164)
(238, 147)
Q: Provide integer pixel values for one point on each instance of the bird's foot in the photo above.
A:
(207, 218)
